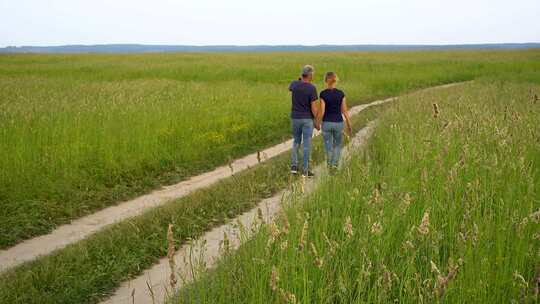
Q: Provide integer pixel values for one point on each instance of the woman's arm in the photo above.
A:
(345, 112)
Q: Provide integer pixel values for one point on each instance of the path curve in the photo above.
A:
(83, 227)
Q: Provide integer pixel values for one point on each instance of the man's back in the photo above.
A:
(303, 94)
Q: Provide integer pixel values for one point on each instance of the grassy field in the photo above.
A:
(80, 132)
(441, 207)
(87, 271)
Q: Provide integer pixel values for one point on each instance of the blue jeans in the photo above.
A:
(302, 129)
(333, 137)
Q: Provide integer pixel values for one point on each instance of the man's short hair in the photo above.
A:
(307, 70)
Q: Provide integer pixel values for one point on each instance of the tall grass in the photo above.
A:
(440, 208)
(80, 132)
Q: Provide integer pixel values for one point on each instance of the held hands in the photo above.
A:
(317, 125)
(349, 130)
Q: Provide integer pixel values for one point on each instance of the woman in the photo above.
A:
(333, 109)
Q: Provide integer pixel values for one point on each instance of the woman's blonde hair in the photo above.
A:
(330, 75)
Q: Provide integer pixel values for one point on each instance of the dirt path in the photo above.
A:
(83, 227)
(152, 287)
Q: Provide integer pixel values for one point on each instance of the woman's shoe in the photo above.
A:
(308, 174)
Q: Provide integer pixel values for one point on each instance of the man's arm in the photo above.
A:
(315, 108)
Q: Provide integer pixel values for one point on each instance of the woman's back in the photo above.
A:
(333, 98)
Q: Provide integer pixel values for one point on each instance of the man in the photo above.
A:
(303, 118)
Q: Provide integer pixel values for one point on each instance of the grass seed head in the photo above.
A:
(376, 228)
(375, 196)
(348, 227)
(303, 236)
(408, 245)
(435, 110)
(287, 297)
(406, 202)
(535, 216)
(274, 231)
(286, 226)
(170, 256)
(536, 282)
(274, 279)
(423, 229)
(318, 262)
(443, 281)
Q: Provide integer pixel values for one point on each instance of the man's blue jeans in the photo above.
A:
(302, 130)
(333, 137)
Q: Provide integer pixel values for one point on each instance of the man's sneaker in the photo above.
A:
(294, 169)
(308, 174)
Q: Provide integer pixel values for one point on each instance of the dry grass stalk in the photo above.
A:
(318, 259)
(260, 215)
(151, 291)
(332, 245)
(424, 180)
(170, 256)
(226, 244)
(348, 227)
(406, 202)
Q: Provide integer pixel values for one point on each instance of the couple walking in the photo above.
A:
(307, 114)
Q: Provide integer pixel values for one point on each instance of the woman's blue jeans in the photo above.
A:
(302, 130)
(333, 138)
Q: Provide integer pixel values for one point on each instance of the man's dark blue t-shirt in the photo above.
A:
(303, 94)
(333, 98)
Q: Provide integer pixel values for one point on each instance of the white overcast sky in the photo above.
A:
(247, 22)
